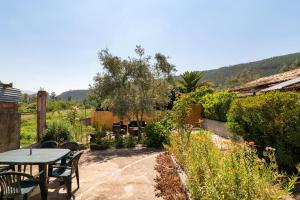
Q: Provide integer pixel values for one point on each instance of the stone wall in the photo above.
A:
(9, 126)
(217, 127)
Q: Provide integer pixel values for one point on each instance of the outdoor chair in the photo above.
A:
(67, 171)
(4, 168)
(17, 185)
(49, 144)
(73, 146)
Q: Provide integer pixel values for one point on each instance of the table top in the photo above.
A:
(38, 156)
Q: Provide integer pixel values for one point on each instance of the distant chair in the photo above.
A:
(66, 172)
(17, 185)
(71, 145)
(49, 144)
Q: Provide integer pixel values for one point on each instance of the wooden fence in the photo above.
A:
(105, 119)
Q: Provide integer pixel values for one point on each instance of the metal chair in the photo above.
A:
(49, 144)
(66, 171)
(73, 146)
(4, 168)
(17, 185)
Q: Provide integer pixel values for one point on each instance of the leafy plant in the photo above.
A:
(272, 119)
(57, 131)
(189, 81)
(216, 105)
(119, 141)
(156, 135)
(237, 173)
(134, 87)
(130, 143)
(168, 121)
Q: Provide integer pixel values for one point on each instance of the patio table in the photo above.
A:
(40, 157)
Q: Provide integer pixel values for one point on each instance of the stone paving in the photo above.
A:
(111, 174)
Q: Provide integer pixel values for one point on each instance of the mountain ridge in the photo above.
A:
(264, 67)
(79, 95)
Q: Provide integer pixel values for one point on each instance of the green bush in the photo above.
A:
(156, 135)
(119, 141)
(216, 105)
(168, 121)
(130, 143)
(272, 119)
(57, 131)
(237, 173)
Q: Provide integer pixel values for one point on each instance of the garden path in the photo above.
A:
(112, 174)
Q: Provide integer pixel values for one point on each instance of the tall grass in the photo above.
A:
(78, 131)
(237, 173)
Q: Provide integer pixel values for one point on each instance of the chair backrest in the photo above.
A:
(73, 146)
(49, 144)
(75, 160)
(10, 184)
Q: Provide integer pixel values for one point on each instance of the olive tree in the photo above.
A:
(134, 87)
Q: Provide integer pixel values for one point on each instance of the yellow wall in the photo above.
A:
(106, 118)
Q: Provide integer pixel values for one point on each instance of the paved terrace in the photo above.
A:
(111, 174)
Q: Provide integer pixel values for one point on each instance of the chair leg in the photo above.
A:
(25, 197)
(77, 176)
(68, 182)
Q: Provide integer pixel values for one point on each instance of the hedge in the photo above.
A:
(216, 105)
(271, 119)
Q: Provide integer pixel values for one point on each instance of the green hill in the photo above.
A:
(262, 68)
(79, 95)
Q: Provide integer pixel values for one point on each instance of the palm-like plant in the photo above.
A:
(189, 81)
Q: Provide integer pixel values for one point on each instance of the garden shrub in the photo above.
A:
(156, 135)
(272, 119)
(168, 121)
(196, 96)
(130, 143)
(237, 173)
(57, 131)
(216, 105)
(119, 141)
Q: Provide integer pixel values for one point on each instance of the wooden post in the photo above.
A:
(41, 114)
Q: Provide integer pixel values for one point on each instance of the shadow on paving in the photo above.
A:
(87, 164)
(99, 156)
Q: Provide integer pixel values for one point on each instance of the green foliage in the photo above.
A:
(78, 131)
(216, 105)
(72, 115)
(101, 139)
(51, 106)
(237, 173)
(189, 81)
(168, 121)
(27, 107)
(241, 78)
(181, 110)
(59, 105)
(57, 131)
(272, 119)
(28, 131)
(156, 135)
(133, 87)
(294, 65)
(119, 141)
(129, 142)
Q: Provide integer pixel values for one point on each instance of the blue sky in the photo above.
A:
(54, 44)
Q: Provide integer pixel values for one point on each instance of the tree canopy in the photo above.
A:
(132, 87)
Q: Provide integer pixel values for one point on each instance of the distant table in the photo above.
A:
(40, 157)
